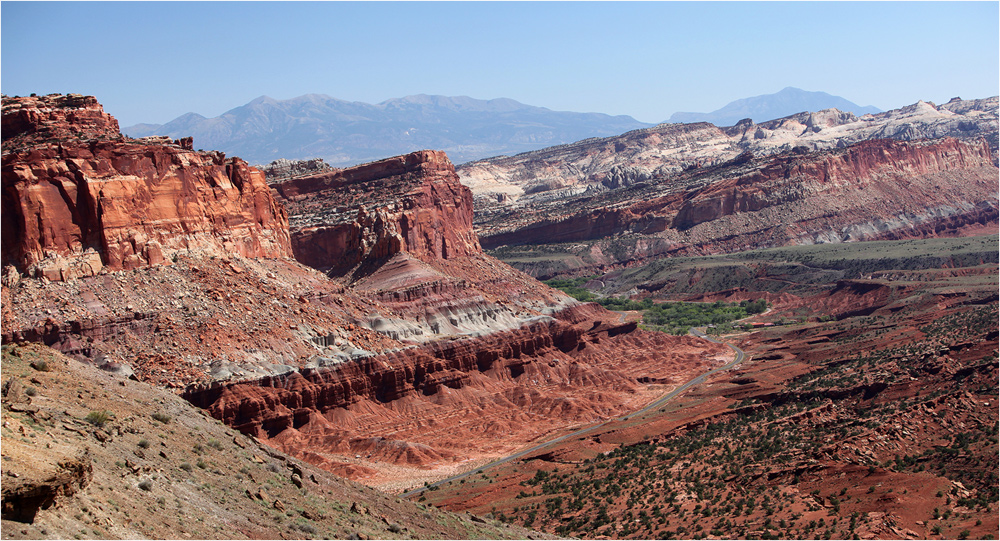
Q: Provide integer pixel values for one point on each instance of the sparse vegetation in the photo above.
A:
(671, 317)
(709, 477)
(573, 287)
(40, 365)
(98, 418)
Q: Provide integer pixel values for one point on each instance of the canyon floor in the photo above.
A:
(868, 409)
(233, 353)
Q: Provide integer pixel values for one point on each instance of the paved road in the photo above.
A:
(740, 356)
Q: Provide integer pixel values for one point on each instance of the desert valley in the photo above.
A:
(775, 330)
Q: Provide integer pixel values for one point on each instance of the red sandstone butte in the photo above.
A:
(413, 203)
(78, 197)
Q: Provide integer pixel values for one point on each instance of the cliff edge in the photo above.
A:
(78, 197)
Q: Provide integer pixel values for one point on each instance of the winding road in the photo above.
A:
(740, 356)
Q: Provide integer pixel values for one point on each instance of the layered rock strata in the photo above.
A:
(399, 233)
(412, 347)
(450, 401)
(75, 205)
(670, 149)
(54, 118)
(283, 169)
(413, 203)
(82, 210)
(879, 189)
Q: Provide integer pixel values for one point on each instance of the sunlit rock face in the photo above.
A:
(413, 203)
(78, 197)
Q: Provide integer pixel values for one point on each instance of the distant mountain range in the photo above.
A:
(345, 133)
(787, 102)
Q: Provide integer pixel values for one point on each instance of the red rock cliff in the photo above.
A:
(494, 375)
(914, 174)
(413, 203)
(862, 192)
(54, 117)
(74, 205)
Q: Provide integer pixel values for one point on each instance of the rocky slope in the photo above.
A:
(431, 409)
(54, 117)
(87, 455)
(866, 409)
(409, 355)
(669, 149)
(282, 169)
(878, 189)
(77, 197)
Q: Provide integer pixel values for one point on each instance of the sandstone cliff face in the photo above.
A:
(668, 150)
(75, 205)
(54, 117)
(413, 203)
(880, 189)
(283, 169)
(898, 173)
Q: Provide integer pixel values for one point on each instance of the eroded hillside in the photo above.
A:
(682, 189)
(89, 455)
(390, 349)
(867, 409)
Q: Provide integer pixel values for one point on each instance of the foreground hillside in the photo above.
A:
(88, 455)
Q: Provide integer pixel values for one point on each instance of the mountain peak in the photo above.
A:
(787, 101)
(262, 100)
(458, 103)
(346, 133)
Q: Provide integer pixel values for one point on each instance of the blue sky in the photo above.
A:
(152, 61)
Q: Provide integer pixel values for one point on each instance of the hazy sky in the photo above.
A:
(151, 61)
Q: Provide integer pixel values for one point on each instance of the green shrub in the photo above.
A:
(306, 527)
(41, 366)
(144, 443)
(161, 417)
(98, 418)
